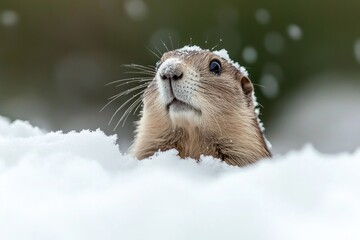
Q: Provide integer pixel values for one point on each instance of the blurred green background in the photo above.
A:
(303, 56)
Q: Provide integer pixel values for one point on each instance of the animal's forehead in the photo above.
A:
(195, 53)
(197, 58)
(186, 54)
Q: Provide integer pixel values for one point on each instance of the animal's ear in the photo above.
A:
(246, 86)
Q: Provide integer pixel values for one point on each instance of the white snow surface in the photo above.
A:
(78, 185)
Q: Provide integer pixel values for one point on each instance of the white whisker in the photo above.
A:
(127, 91)
(113, 98)
(160, 53)
(128, 111)
(140, 103)
(122, 105)
(171, 41)
(167, 49)
(155, 54)
(146, 73)
(133, 79)
(140, 67)
(214, 47)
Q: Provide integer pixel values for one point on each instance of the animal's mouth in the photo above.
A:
(179, 106)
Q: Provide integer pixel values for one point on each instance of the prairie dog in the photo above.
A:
(201, 103)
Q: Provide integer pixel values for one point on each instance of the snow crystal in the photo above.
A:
(270, 85)
(79, 186)
(249, 54)
(262, 16)
(9, 18)
(135, 9)
(294, 32)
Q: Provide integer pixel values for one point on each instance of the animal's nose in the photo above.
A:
(171, 70)
(172, 75)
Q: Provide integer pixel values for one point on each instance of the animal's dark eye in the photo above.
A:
(215, 67)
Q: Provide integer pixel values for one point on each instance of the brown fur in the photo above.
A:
(227, 127)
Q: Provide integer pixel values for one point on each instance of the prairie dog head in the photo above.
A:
(194, 86)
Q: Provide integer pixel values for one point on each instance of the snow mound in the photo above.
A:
(78, 185)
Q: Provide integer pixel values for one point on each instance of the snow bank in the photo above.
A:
(79, 186)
